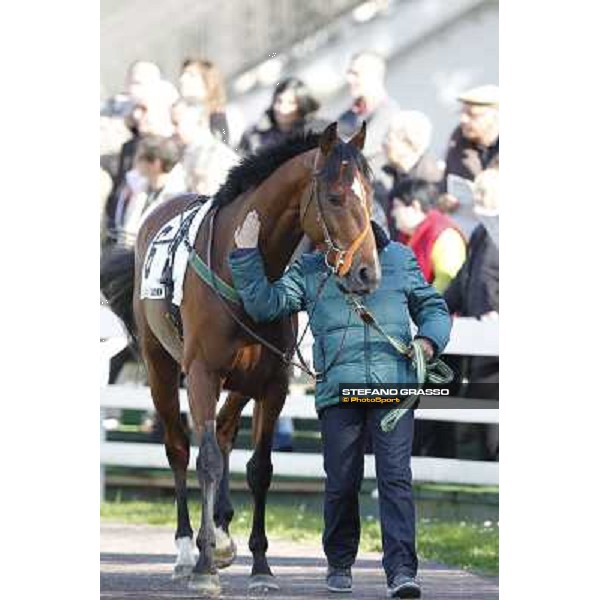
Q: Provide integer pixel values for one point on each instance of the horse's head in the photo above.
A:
(336, 211)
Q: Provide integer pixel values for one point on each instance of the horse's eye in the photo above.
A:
(336, 199)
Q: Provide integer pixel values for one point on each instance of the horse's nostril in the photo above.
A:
(363, 275)
(363, 278)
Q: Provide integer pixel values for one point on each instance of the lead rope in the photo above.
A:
(435, 371)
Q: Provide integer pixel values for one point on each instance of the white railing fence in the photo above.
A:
(469, 337)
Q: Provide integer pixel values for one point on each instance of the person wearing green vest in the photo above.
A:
(347, 350)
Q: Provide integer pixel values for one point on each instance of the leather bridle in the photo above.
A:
(342, 258)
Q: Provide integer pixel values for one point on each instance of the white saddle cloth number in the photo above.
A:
(158, 252)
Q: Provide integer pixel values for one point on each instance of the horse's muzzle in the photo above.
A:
(363, 278)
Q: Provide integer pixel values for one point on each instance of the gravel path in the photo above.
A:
(136, 563)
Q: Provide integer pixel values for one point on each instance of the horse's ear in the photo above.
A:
(328, 139)
(358, 139)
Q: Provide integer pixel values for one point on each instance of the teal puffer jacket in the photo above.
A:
(365, 356)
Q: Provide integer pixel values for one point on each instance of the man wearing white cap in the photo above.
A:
(473, 147)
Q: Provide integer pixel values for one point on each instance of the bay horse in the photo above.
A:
(318, 185)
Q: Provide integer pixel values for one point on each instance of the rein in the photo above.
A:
(319, 376)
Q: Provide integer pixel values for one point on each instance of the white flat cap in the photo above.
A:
(484, 94)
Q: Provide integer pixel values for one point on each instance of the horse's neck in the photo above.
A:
(277, 201)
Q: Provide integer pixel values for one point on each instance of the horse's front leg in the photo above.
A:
(203, 389)
(259, 471)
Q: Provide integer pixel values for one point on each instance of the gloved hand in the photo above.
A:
(427, 347)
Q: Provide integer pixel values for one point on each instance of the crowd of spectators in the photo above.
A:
(159, 140)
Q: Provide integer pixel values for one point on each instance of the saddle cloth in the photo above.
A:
(167, 243)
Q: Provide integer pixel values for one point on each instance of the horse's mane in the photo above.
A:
(255, 168)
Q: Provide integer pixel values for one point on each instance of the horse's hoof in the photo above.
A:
(263, 582)
(205, 583)
(182, 572)
(224, 557)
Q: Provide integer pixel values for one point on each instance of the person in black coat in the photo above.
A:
(474, 292)
(292, 112)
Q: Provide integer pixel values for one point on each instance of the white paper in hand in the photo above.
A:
(461, 189)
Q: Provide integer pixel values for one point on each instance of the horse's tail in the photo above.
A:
(117, 271)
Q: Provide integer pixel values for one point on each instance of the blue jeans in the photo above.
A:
(283, 436)
(343, 431)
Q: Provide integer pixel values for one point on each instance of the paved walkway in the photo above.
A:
(136, 564)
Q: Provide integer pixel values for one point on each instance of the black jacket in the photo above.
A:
(266, 133)
(474, 290)
(126, 162)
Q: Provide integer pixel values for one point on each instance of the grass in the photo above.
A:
(456, 488)
(472, 546)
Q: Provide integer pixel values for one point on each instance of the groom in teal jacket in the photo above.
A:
(346, 350)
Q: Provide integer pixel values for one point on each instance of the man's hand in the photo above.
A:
(471, 160)
(448, 203)
(246, 235)
(427, 347)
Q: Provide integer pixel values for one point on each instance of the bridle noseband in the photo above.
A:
(342, 258)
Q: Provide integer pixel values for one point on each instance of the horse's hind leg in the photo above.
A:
(259, 471)
(203, 390)
(228, 422)
(163, 378)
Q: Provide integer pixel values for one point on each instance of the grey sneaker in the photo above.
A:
(339, 579)
(403, 586)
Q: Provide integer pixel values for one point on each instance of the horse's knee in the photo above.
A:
(279, 385)
(228, 420)
(210, 460)
(259, 473)
(178, 457)
(177, 446)
(226, 434)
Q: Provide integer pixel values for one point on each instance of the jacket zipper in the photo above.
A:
(367, 353)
